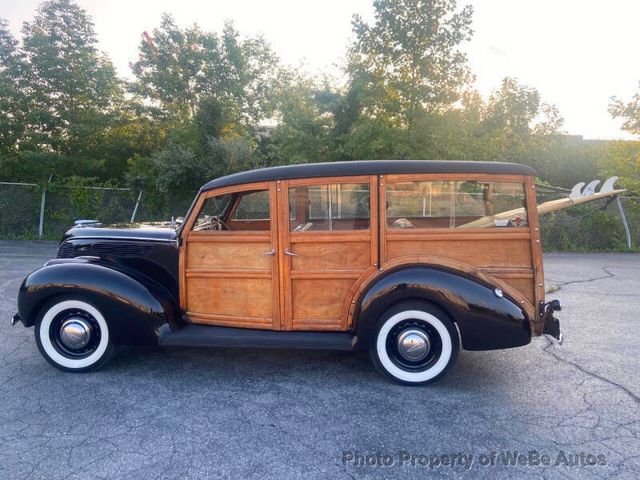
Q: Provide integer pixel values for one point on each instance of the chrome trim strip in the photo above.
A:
(143, 239)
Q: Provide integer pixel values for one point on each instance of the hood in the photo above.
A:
(158, 231)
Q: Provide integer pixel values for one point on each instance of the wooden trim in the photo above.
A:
(189, 221)
(510, 272)
(275, 263)
(315, 325)
(330, 236)
(365, 281)
(482, 177)
(325, 274)
(229, 236)
(237, 189)
(382, 219)
(222, 273)
(536, 253)
(231, 321)
(496, 233)
(284, 262)
(182, 256)
(182, 277)
(350, 299)
(374, 221)
(328, 180)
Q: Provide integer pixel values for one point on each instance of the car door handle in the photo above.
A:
(270, 252)
(290, 254)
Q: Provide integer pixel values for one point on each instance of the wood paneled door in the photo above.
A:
(279, 255)
(228, 260)
(328, 239)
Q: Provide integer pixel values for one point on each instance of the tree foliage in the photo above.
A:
(409, 60)
(12, 101)
(71, 87)
(203, 104)
(184, 70)
(629, 112)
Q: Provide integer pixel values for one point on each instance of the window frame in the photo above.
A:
(187, 229)
(404, 178)
(369, 180)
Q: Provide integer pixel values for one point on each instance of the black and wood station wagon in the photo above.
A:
(410, 260)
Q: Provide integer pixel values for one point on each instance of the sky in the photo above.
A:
(577, 53)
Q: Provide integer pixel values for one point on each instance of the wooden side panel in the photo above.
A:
(231, 278)
(231, 297)
(230, 284)
(481, 253)
(317, 303)
(523, 285)
(319, 277)
(229, 255)
(536, 248)
(506, 254)
(331, 256)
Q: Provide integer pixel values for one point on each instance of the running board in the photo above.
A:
(210, 336)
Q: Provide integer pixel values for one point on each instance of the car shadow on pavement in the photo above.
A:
(473, 370)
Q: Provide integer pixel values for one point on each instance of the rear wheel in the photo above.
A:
(73, 335)
(415, 343)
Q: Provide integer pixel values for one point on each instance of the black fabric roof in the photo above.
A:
(367, 167)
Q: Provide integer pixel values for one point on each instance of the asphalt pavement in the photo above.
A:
(569, 411)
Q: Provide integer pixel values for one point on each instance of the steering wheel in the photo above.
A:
(211, 222)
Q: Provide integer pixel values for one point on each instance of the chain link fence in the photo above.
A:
(593, 226)
(31, 211)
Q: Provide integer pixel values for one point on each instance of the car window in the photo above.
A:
(253, 206)
(244, 211)
(453, 204)
(342, 206)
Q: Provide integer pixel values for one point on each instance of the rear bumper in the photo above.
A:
(551, 325)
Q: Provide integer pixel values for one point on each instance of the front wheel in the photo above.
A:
(73, 335)
(415, 343)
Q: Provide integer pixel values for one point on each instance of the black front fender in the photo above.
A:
(134, 306)
(485, 320)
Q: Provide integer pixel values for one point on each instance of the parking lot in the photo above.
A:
(205, 414)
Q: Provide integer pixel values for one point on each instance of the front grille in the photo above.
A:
(103, 249)
(118, 249)
(65, 250)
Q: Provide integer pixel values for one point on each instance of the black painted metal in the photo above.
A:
(212, 336)
(551, 325)
(485, 321)
(367, 167)
(134, 305)
(130, 232)
(151, 258)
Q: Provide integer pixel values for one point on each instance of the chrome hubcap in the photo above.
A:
(413, 345)
(75, 333)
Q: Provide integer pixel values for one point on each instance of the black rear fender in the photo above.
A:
(134, 306)
(484, 319)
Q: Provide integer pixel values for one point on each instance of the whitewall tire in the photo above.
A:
(414, 343)
(73, 335)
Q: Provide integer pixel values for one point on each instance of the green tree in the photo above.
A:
(515, 122)
(304, 120)
(629, 112)
(409, 60)
(622, 158)
(187, 70)
(12, 105)
(72, 88)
